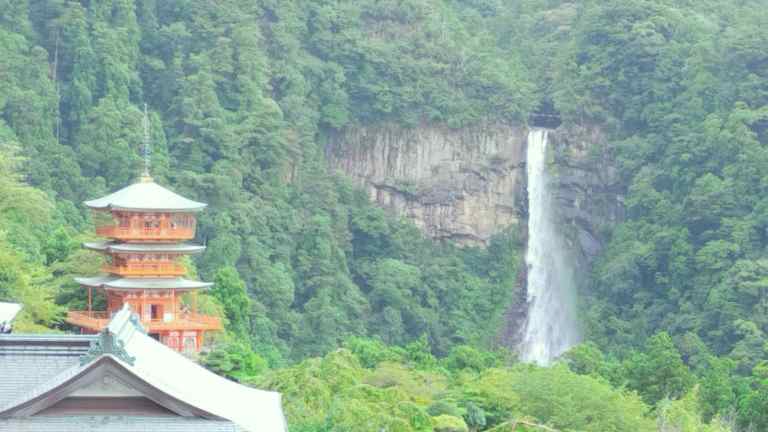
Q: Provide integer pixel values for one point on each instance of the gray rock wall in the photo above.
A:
(589, 192)
(460, 185)
(466, 185)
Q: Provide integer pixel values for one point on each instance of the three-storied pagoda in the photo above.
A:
(147, 226)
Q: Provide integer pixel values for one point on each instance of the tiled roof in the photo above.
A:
(116, 282)
(252, 409)
(30, 374)
(115, 424)
(144, 247)
(145, 196)
(27, 361)
(8, 310)
(44, 386)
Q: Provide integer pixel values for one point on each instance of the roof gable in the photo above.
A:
(156, 372)
(108, 386)
(88, 379)
(109, 406)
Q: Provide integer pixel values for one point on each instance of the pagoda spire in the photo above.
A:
(145, 176)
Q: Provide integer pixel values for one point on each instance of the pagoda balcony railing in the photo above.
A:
(131, 233)
(97, 320)
(91, 320)
(184, 321)
(146, 269)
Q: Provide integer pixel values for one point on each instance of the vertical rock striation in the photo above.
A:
(589, 191)
(460, 185)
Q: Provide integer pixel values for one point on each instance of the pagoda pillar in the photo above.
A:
(143, 303)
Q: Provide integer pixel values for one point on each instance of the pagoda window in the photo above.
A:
(189, 344)
(155, 311)
(124, 221)
(151, 223)
(179, 220)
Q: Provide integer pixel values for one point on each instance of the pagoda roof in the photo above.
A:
(145, 195)
(121, 283)
(108, 246)
(36, 378)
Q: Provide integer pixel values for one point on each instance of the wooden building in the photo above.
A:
(121, 380)
(147, 227)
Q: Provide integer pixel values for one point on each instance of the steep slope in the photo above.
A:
(455, 184)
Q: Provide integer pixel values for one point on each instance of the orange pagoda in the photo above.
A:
(146, 226)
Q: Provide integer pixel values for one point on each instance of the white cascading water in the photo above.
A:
(552, 327)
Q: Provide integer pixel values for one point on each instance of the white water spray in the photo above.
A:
(552, 327)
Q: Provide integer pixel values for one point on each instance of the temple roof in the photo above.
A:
(37, 377)
(29, 360)
(145, 196)
(8, 312)
(77, 423)
(144, 247)
(120, 283)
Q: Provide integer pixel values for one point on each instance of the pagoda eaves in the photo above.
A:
(145, 196)
(145, 225)
(115, 247)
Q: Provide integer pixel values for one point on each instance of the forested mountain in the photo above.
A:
(242, 96)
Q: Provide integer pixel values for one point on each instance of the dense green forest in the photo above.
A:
(358, 319)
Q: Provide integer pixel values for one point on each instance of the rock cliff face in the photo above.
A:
(589, 192)
(460, 185)
(466, 185)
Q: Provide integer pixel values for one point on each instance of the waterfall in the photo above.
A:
(551, 327)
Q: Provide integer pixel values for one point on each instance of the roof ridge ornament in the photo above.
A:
(107, 343)
(145, 177)
(136, 321)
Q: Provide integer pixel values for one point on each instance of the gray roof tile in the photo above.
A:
(26, 361)
(33, 366)
(115, 424)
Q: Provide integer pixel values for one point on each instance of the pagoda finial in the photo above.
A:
(145, 177)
